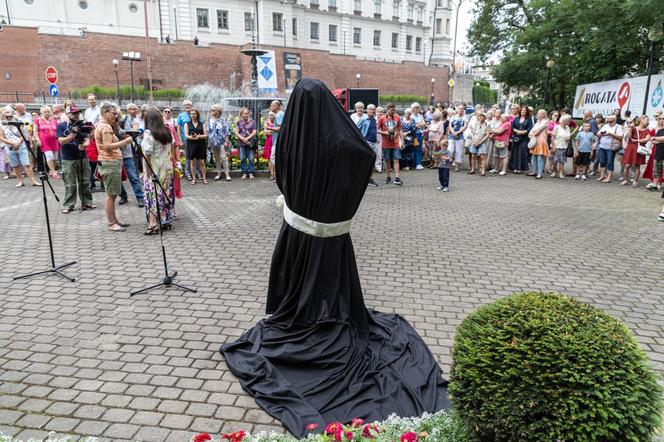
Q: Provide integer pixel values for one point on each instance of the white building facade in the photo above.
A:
(381, 30)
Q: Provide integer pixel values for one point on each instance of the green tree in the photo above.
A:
(589, 40)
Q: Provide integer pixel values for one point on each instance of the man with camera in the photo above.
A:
(74, 137)
(389, 127)
(15, 147)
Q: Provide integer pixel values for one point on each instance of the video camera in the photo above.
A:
(82, 130)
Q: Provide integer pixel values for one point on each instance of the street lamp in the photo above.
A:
(549, 65)
(456, 28)
(358, 77)
(117, 79)
(131, 57)
(654, 35)
(432, 99)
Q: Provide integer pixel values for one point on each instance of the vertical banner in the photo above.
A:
(267, 72)
(292, 70)
(656, 95)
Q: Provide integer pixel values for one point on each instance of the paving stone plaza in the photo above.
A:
(84, 358)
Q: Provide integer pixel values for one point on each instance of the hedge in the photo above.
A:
(125, 92)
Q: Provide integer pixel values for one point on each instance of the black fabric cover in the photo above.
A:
(322, 356)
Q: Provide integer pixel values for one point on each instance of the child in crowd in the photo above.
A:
(443, 156)
(267, 150)
(582, 150)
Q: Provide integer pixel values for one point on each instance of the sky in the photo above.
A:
(465, 17)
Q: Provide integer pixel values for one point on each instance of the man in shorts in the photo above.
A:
(15, 147)
(389, 128)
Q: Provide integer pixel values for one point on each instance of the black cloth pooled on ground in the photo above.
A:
(322, 356)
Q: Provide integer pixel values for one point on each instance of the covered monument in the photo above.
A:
(322, 356)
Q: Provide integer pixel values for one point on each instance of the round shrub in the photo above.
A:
(544, 367)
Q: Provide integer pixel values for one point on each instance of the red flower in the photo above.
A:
(312, 427)
(357, 423)
(349, 435)
(235, 437)
(409, 437)
(370, 431)
(202, 437)
(334, 427)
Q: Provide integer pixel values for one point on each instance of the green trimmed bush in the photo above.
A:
(403, 99)
(544, 367)
(104, 92)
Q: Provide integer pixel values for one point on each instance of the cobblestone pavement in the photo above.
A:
(83, 358)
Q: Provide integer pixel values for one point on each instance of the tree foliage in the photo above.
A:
(589, 40)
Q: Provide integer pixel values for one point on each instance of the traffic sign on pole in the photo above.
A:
(53, 89)
(451, 83)
(51, 75)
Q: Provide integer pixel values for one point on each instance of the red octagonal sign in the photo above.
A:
(51, 75)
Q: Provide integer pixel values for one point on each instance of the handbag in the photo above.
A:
(642, 149)
(569, 152)
(500, 144)
(532, 142)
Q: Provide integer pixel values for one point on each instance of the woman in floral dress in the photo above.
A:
(157, 147)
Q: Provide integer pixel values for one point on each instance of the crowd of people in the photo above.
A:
(519, 141)
(489, 141)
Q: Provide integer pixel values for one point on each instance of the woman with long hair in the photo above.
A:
(521, 126)
(157, 147)
(196, 133)
(172, 125)
(218, 133)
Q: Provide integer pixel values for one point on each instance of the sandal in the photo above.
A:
(89, 206)
(154, 230)
(20, 184)
(623, 183)
(205, 181)
(193, 181)
(217, 178)
(635, 184)
(121, 224)
(36, 184)
(67, 210)
(117, 228)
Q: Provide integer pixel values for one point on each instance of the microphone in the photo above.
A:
(15, 123)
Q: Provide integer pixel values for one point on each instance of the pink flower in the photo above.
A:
(370, 431)
(312, 427)
(235, 437)
(333, 427)
(409, 437)
(349, 435)
(357, 423)
(202, 437)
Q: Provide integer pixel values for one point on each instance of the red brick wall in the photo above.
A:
(84, 61)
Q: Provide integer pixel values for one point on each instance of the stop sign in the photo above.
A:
(51, 75)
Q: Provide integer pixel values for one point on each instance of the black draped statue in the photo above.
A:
(322, 356)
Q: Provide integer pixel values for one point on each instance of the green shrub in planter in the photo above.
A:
(544, 367)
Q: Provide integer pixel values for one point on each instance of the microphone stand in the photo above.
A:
(43, 177)
(167, 281)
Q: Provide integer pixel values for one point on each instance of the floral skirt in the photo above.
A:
(152, 195)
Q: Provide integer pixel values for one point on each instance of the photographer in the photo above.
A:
(15, 148)
(110, 155)
(389, 127)
(73, 136)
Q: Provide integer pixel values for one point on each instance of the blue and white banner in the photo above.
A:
(267, 72)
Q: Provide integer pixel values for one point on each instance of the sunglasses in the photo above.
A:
(167, 112)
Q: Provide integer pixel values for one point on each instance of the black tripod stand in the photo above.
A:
(43, 176)
(168, 279)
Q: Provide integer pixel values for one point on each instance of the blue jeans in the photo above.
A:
(134, 180)
(606, 157)
(247, 159)
(417, 151)
(538, 164)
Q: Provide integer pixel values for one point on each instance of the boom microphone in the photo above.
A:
(15, 123)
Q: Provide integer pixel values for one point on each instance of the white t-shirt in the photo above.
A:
(92, 115)
(25, 118)
(607, 141)
(561, 136)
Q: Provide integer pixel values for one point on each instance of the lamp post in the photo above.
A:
(549, 65)
(131, 57)
(654, 35)
(432, 99)
(456, 28)
(117, 80)
(358, 77)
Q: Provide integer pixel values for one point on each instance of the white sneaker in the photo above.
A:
(445, 189)
(583, 178)
(493, 171)
(501, 173)
(419, 167)
(439, 188)
(577, 177)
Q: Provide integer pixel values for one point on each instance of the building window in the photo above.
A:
(357, 5)
(396, 6)
(313, 4)
(332, 4)
(420, 14)
(410, 12)
(395, 40)
(447, 26)
(314, 31)
(357, 36)
(202, 18)
(378, 7)
(439, 24)
(418, 44)
(332, 33)
(222, 20)
(376, 39)
(409, 42)
(294, 26)
(439, 3)
(248, 21)
(277, 22)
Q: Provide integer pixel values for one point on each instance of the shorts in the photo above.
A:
(583, 159)
(560, 156)
(391, 154)
(111, 176)
(50, 155)
(478, 150)
(18, 157)
(501, 152)
(196, 150)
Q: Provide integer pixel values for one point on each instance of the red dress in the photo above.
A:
(631, 155)
(648, 173)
